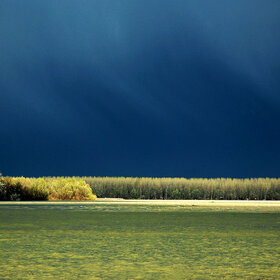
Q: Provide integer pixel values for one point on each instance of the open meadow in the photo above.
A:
(120, 239)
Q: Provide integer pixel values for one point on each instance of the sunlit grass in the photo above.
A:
(120, 241)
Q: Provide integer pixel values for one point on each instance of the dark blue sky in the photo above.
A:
(140, 88)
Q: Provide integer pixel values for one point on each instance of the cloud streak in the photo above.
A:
(178, 85)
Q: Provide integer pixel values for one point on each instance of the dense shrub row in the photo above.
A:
(82, 188)
(21, 188)
(181, 188)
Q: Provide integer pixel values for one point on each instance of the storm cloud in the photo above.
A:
(140, 88)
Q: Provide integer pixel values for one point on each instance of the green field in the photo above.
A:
(116, 240)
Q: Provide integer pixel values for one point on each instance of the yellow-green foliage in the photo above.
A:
(69, 189)
(182, 188)
(76, 188)
(21, 188)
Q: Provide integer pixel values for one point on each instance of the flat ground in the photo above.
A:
(119, 239)
(211, 205)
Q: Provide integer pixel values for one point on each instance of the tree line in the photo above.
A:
(21, 188)
(88, 188)
(182, 188)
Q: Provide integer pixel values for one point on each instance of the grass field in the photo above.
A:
(140, 240)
